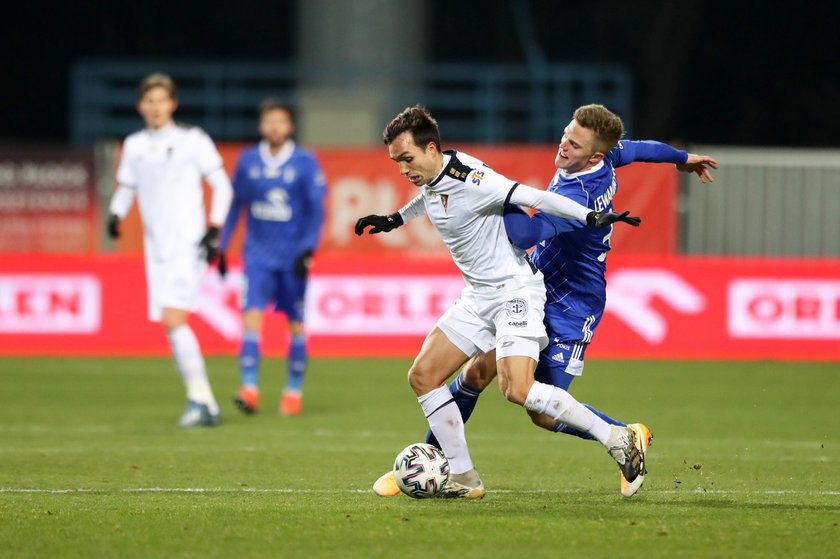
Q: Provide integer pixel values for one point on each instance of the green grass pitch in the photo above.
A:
(745, 463)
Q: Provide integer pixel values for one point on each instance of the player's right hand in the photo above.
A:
(113, 226)
(378, 223)
(603, 219)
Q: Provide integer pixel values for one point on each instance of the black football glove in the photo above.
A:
(222, 265)
(113, 226)
(302, 264)
(209, 243)
(603, 219)
(379, 223)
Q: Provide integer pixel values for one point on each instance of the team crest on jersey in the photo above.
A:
(516, 308)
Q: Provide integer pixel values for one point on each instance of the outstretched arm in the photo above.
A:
(556, 204)
(699, 165)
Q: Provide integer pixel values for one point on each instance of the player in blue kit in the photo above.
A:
(282, 188)
(572, 259)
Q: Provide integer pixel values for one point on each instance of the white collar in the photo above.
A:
(446, 158)
(161, 132)
(282, 156)
(594, 169)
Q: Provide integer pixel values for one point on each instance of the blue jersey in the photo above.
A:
(284, 198)
(572, 256)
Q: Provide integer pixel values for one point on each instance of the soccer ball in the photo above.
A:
(421, 470)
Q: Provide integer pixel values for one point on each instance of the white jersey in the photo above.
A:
(164, 167)
(465, 204)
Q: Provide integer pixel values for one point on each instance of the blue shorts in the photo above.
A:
(560, 363)
(283, 288)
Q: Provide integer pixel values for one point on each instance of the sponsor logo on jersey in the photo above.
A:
(275, 208)
(516, 308)
(477, 176)
(558, 357)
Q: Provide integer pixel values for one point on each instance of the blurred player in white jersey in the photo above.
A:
(281, 187)
(501, 306)
(163, 165)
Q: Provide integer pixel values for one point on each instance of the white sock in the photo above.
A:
(561, 406)
(190, 364)
(448, 427)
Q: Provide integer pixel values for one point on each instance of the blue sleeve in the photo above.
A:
(315, 189)
(628, 151)
(525, 231)
(235, 207)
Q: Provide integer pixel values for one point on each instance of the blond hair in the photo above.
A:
(606, 125)
(157, 80)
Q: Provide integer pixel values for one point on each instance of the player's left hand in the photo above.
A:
(698, 164)
(209, 243)
(603, 219)
(302, 264)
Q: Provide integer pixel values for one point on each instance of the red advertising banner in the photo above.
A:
(365, 181)
(48, 202)
(673, 307)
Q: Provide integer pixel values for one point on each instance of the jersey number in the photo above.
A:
(606, 240)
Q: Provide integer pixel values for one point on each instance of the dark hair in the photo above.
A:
(274, 104)
(606, 125)
(418, 121)
(157, 80)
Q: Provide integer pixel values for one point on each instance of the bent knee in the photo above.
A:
(420, 380)
(515, 394)
(542, 420)
(479, 372)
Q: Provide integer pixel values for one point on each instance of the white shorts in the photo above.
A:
(480, 317)
(172, 280)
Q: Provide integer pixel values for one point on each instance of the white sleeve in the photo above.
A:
(548, 202)
(413, 209)
(221, 196)
(207, 155)
(121, 201)
(125, 171)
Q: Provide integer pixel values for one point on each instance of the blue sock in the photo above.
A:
(465, 396)
(297, 363)
(249, 357)
(563, 428)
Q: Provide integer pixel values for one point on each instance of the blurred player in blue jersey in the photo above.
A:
(282, 188)
(572, 259)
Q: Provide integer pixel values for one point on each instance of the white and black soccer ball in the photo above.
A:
(421, 470)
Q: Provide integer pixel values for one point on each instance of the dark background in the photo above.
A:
(705, 71)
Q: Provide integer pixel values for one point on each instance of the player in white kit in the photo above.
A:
(163, 166)
(501, 306)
